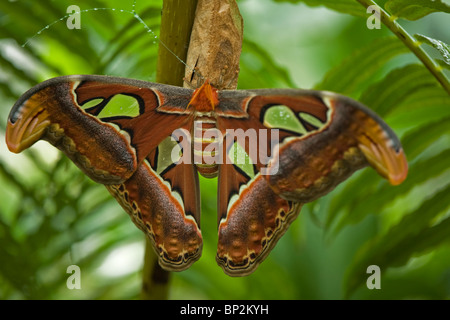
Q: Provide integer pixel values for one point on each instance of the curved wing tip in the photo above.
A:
(13, 142)
(14, 147)
(24, 133)
(387, 159)
(399, 173)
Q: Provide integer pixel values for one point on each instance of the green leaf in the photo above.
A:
(363, 180)
(415, 9)
(129, 35)
(428, 104)
(414, 234)
(257, 66)
(442, 47)
(343, 6)
(361, 66)
(443, 64)
(375, 199)
(389, 93)
(418, 139)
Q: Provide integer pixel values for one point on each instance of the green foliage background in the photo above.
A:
(52, 216)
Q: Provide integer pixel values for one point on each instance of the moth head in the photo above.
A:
(205, 98)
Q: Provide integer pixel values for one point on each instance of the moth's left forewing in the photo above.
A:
(50, 111)
(105, 125)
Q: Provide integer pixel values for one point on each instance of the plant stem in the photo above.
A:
(155, 280)
(411, 43)
(176, 25)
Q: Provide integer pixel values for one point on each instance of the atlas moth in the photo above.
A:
(118, 131)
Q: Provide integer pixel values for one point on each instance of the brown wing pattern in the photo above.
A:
(334, 137)
(167, 210)
(66, 111)
(255, 218)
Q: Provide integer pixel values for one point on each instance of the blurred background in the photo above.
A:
(52, 216)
